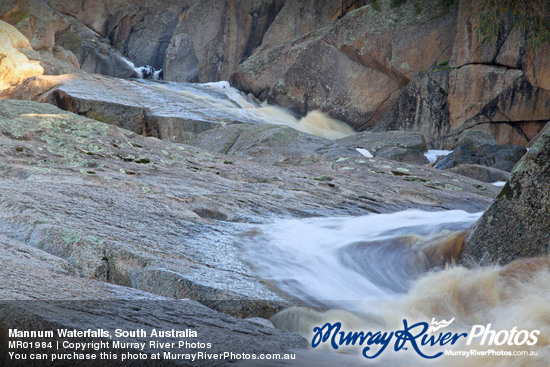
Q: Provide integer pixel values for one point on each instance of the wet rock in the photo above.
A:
(134, 105)
(481, 173)
(517, 224)
(502, 157)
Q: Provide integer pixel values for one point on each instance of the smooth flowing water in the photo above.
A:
(340, 262)
(372, 272)
(220, 102)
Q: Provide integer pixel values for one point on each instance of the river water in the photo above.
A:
(218, 101)
(373, 272)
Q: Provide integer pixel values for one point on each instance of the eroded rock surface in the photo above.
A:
(167, 218)
(44, 292)
(517, 224)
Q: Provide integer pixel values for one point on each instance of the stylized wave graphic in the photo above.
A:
(439, 325)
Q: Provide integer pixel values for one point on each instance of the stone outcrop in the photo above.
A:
(41, 291)
(517, 224)
(15, 67)
(502, 157)
(165, 218)
(497, 87)
(353, 68)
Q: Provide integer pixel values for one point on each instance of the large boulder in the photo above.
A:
(517, 224)
(15, 67)
(502, 157)
(354, 67)
(481, 173)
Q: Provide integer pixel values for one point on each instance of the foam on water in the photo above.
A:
(372, 272)
(338, 262)
(221, 96)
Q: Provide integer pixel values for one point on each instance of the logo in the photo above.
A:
(420, 337)
(439, 325)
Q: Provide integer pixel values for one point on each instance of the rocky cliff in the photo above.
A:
(412, 66)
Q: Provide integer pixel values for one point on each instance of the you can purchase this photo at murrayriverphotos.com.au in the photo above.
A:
(275, 183)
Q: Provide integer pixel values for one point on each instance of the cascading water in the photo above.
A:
(225, 103)
(372, 272)
(340, 262)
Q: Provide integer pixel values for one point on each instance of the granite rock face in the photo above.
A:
(41, 291)
(517, 224)
(421, 107)
(350, 59)
(352, 68)
(166, 218)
